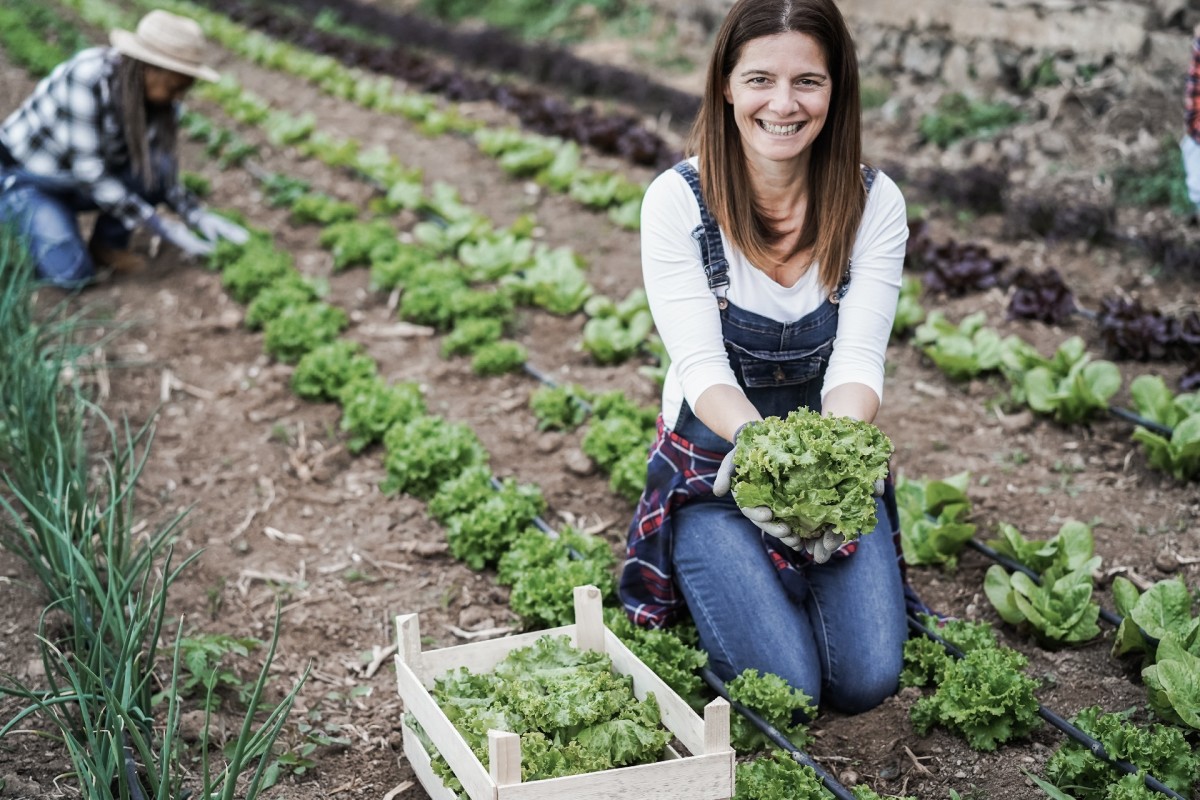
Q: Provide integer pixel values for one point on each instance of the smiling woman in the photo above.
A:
(772, 263)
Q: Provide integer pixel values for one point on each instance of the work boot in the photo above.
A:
(121, 261)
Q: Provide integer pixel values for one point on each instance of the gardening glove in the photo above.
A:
(761, 516)
(214, 227)
(823, 546)
(178, 234)
(827, 540)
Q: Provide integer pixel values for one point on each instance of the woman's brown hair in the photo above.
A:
(148, 129)
(836, 192)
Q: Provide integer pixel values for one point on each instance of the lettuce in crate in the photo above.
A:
(812, 470)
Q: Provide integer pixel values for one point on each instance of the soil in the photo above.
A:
(283, 516)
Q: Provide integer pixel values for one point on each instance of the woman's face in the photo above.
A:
(164, 86)
(780, 91)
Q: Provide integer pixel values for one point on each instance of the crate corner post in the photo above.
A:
(408, 641)
(589, 619)
(504, 757)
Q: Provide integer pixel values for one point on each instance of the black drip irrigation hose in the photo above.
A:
(777, 738)
(1111, 617)
(1079, 736)
(1137, 419)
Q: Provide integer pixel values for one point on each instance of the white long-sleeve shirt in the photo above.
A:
(685, 309)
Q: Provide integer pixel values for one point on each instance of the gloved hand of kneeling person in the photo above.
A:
(214, 227)
(761, 516)
(178, 234)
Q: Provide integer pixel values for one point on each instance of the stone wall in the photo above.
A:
(991, 43)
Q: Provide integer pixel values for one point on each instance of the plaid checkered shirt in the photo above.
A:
(69, 130)
(1191, 94)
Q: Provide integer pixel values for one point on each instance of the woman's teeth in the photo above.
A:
(780, 130)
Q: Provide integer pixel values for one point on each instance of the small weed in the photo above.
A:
(355, 575)
(1158, 184)
(959, 117)
(281, 434)
(215, 598)
(204, 673)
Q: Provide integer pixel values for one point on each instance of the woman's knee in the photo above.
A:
(865, 686)
(64, 263)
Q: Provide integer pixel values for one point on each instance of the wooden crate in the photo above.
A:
(707, 774)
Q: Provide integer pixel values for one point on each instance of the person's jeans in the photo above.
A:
(44, 212)
(849, 626)
(1191, 167)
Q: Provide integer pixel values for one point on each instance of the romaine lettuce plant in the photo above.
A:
(1178, 455)
(1173, 682)
(1059, 609)
(932, 514)
(812, 470)
(1164, 609)
(1069, 386)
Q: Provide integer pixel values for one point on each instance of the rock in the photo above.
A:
(476, 617)
(191, 726)
(922, 59)
(548, 443)
(579, 464)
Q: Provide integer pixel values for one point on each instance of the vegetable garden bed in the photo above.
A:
(284, 511)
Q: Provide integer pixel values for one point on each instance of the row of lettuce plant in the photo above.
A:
(443, 271)
(1047, 589)
(554, 163)
(1070, 386)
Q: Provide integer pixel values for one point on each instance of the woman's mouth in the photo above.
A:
(779, 130)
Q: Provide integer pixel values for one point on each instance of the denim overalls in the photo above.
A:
(836, 628)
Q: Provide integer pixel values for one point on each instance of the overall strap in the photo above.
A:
(868, 174)
(708, 235)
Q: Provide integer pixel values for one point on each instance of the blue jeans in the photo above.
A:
(44, 211)
(841, 643)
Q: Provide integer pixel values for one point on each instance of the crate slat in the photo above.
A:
(693, 778)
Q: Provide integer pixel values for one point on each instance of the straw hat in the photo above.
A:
(169, 41)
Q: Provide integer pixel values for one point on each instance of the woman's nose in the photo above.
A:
(784, 100)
